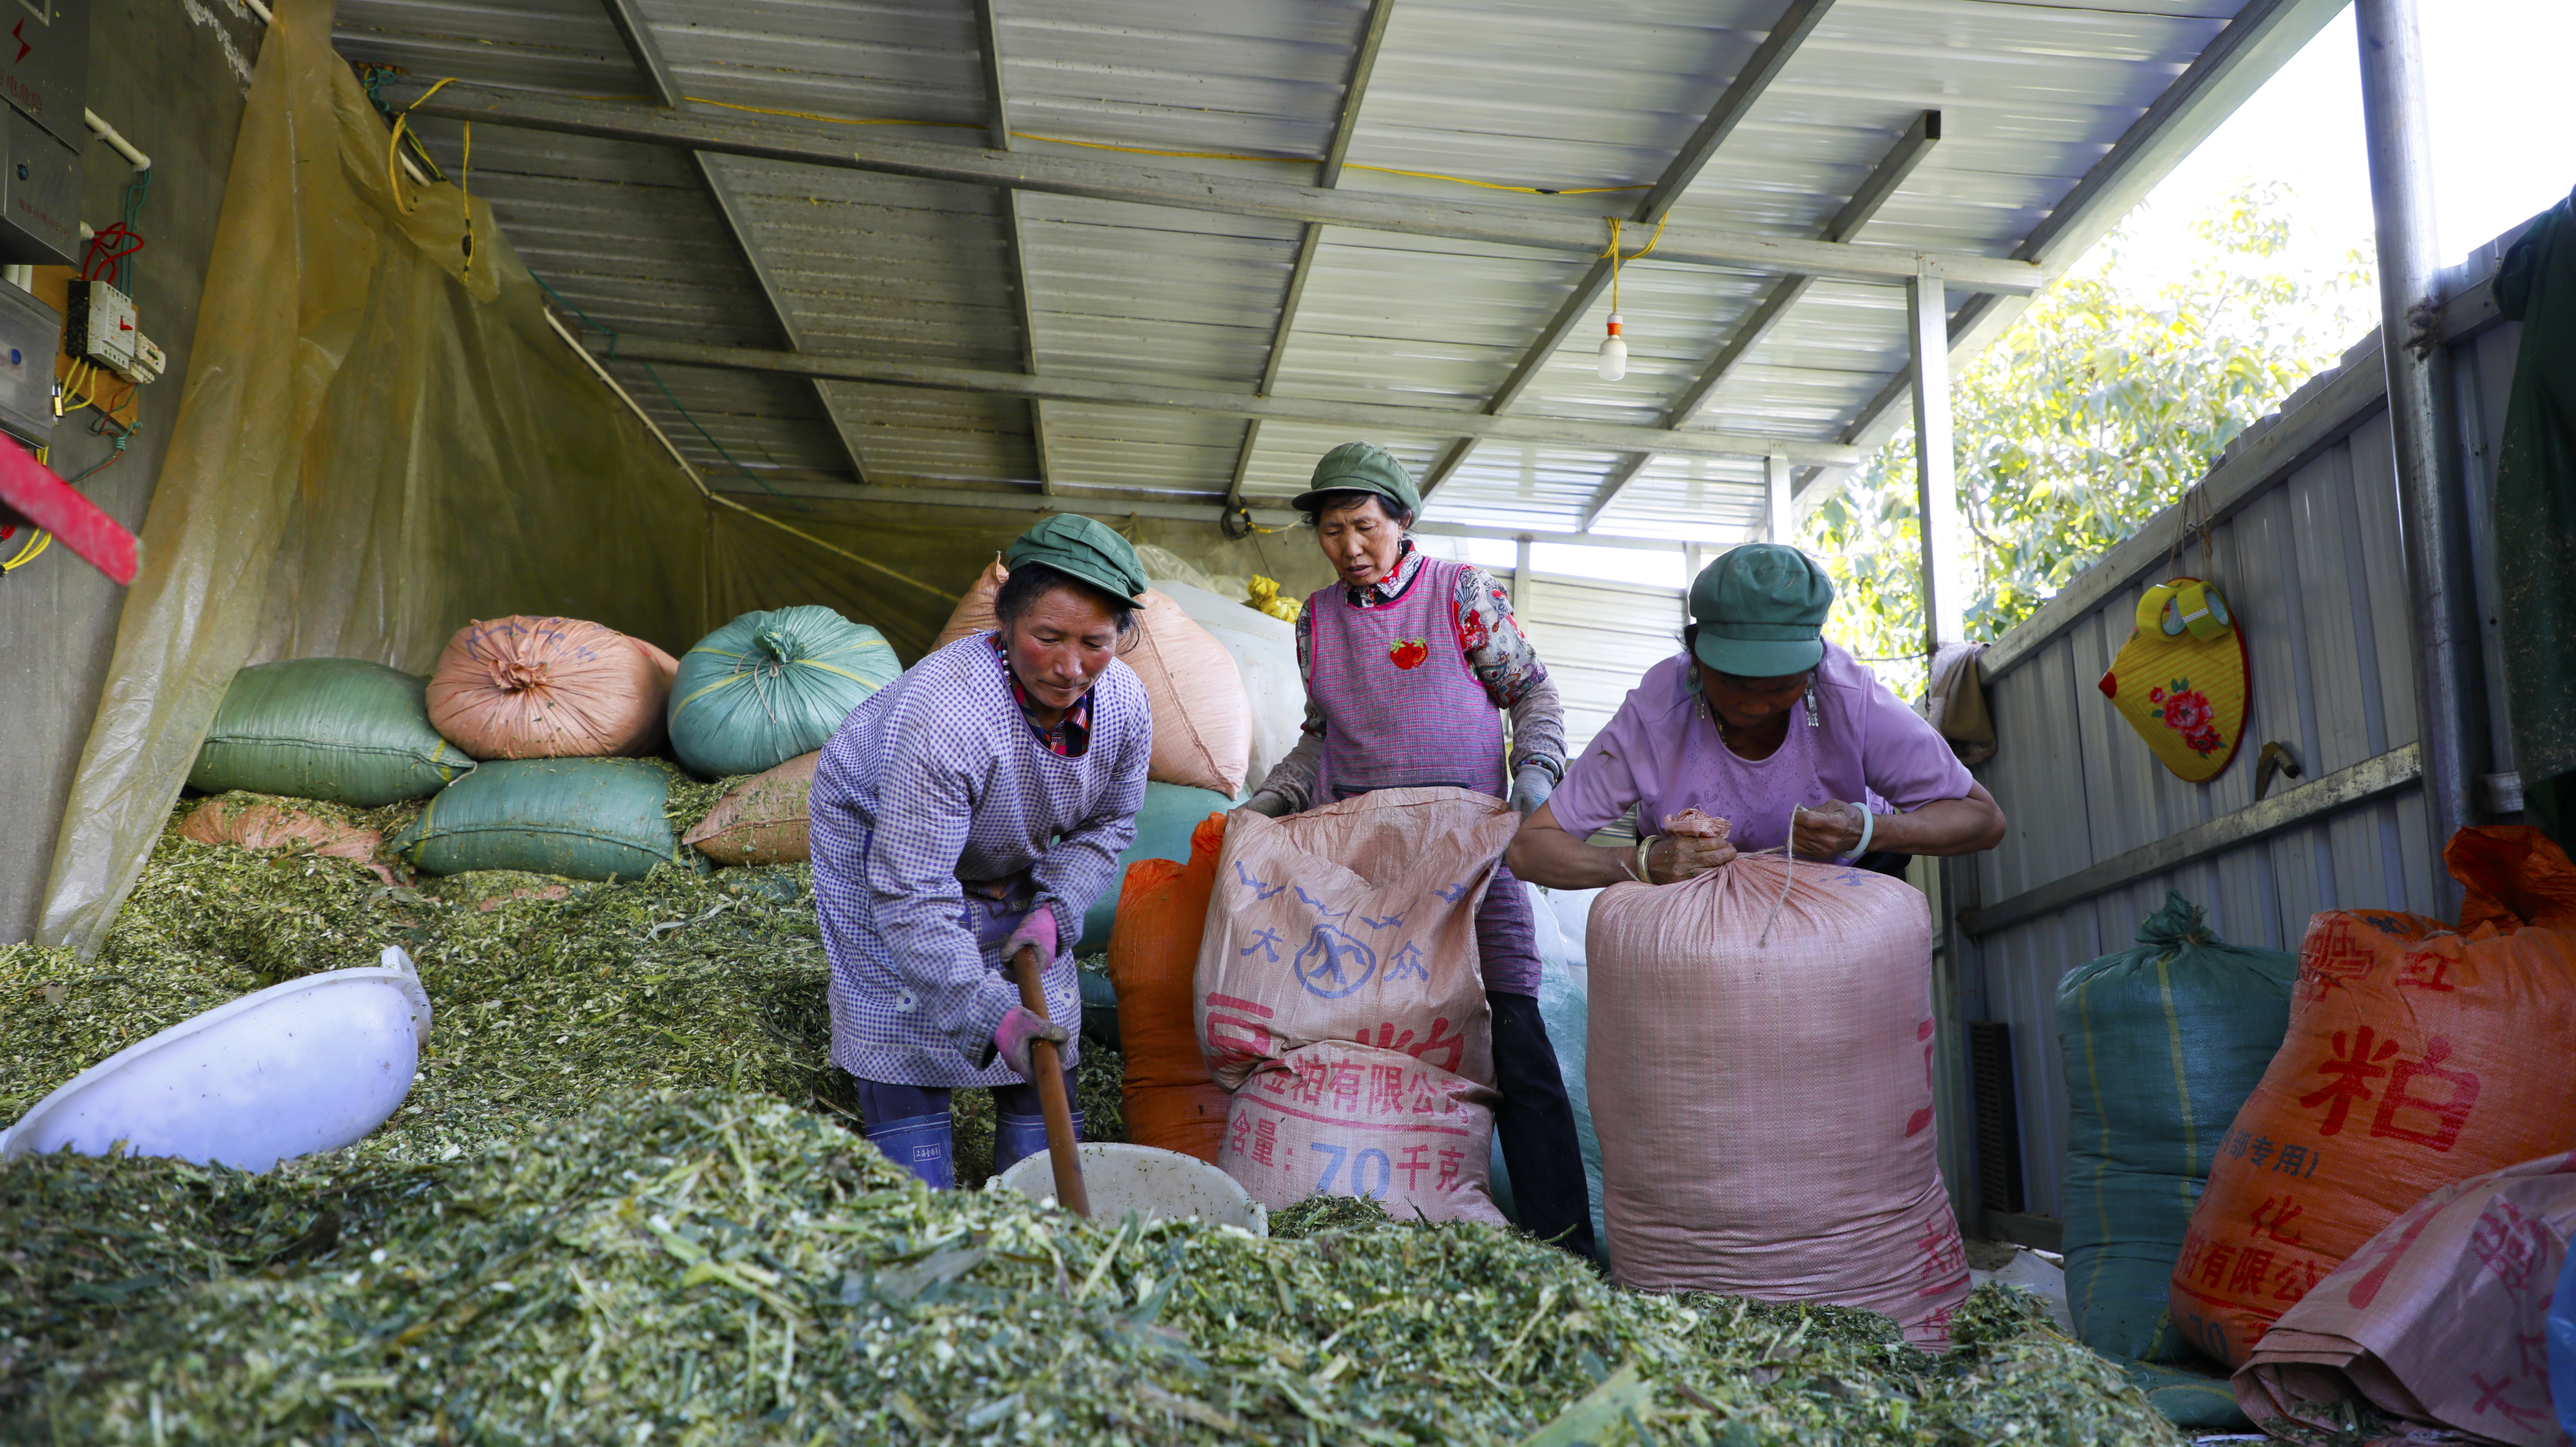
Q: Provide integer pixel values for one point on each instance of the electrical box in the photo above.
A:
(39, 191)
(29, 334)
(44, 64)
(99, 325)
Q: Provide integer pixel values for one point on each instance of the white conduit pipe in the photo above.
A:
(122, 146)
(259, 10)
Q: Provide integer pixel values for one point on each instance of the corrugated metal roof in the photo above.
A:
(1516, 92)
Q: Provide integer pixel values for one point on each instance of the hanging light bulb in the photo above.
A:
(1612, 360)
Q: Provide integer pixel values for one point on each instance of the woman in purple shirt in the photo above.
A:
(1760, 733)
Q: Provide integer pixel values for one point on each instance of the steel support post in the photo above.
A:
(1936, 482)
(2441, 589)
(1777, 477)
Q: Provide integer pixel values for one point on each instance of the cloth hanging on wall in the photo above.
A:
(2535, 487)
(2181, 679)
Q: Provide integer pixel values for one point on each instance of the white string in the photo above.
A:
(1788, 874)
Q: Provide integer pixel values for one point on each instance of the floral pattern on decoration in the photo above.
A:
(2187, 712)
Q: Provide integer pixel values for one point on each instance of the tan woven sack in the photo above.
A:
(764, 820)
(1202, 719)
(1765, 1109)
(548, 688)
(1352, 922)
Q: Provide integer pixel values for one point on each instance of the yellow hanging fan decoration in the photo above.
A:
(2181, 680)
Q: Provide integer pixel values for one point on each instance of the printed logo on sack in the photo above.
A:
(1333, 964)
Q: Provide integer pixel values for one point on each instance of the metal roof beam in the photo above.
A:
(1387, 417)
(1546, 228)
(2236, 63)
(988, 29)
(1111, 508)
(1760, 69)
(637, 33)
(1882, 184)
(1327, 176)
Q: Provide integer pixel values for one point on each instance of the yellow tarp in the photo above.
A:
(379, 442)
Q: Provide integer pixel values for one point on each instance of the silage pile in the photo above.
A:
(711, 1268)
(624, 1203)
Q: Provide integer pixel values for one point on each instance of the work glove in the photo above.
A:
(1037, 927)
(1530, 788)
(1269, 805)
(1022, 1028)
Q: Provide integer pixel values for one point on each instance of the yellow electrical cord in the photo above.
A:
(1143, 150)
(35, 544)
(1612, 251)
(393, 148)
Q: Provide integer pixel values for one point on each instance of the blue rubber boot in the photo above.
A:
(921, 1144)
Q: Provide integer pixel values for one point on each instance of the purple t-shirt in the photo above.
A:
(1659, 751)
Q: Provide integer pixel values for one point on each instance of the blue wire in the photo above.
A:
(664, 389)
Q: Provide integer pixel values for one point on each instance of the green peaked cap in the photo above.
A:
(1361, 467)
(1080, 547)
(1761, 611)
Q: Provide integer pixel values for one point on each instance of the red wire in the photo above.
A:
(106, 248)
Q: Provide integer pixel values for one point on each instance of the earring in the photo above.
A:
(1812, 720)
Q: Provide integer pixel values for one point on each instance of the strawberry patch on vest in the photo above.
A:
(1408, 652)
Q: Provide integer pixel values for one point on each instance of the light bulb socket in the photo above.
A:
(1614, 324)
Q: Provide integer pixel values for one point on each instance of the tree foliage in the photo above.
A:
(2098, 409)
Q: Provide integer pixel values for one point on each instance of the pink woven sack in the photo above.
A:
(549, 688)
(1202, 717)
(1347, 1120)
(1352, 922)
(2442, 1319)
(1765, 1108)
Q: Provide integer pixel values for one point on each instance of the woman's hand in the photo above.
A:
(1692, 844)
(1827, 831)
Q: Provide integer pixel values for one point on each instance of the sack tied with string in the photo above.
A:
(1765, 1106)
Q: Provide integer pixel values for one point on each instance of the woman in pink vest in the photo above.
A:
(1409, 664)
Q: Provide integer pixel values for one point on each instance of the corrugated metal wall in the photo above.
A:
(1598, 639)
(2311, 559)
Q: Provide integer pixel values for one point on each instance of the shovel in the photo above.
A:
(1046, 1064)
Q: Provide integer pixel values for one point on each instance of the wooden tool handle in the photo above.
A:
(1046, 1063)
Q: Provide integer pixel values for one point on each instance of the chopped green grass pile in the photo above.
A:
(626, 1203)
(712, 1267)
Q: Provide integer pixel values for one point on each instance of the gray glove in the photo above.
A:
(1269, 804)
(1530, 788)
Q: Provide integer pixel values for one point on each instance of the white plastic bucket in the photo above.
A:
(1157, 1185)
(309, 1065)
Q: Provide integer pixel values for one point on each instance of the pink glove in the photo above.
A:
(1037, 927)
(1019, 1030)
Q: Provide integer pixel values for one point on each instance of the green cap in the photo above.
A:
(1761, 611)
(1361, 467)
(1080, 547)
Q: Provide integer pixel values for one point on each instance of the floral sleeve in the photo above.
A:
(1501, 657)
(1497, 651)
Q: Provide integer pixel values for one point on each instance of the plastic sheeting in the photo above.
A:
(380, 440)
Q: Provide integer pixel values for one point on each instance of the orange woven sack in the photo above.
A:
(1153, 957)
(549, 688)
(2418, 1056)
(1202, 717)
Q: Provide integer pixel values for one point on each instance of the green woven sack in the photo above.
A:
(2162, 1045)
(767, 687)
(340, 729)
(1163, 825)
(581, 818)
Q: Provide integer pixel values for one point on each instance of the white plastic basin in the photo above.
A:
(305, 1066)
(1158, 1185)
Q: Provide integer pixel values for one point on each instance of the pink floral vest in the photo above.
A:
(1401, 707)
